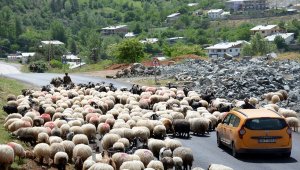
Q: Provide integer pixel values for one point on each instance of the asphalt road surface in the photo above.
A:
(205, 149)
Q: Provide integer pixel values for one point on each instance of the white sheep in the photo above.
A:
(293, 122)
(132, 165)
(80, 139)
(42, 152)
(101, 166)
(157, 165)
(54, 148)
(61, 160)
(145, 155)
(186, 154)
(108, 140)
(18, 149)
(7, 156)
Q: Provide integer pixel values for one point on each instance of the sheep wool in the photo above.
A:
(101, 166)
(18, 149)
(61, 159)
(145, 155)
(87, 164)
(83, 151)
(132, 165)
(7, 155)
(185, 154)
(157, 165)
(109, 140)
(56, 147)
(68, 146)
(80, 139)
(42, 151)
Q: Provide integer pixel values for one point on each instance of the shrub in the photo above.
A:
(38, 67)
(56, 64)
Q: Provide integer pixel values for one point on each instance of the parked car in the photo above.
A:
(255, 131)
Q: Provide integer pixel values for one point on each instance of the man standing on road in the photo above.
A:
(67, 79)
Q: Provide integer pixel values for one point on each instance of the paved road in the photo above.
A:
(8, 69)
(204, 148)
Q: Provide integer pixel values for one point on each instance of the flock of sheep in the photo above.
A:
(99, 127)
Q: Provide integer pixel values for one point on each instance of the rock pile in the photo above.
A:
(137, 69)
(240, 79)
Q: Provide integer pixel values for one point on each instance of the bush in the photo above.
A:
(56, 64)
(38, 67)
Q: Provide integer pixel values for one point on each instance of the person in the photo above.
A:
(67, 79)
(247, 105)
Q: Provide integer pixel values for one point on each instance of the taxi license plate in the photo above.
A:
(272, 140)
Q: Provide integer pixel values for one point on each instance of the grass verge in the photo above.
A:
(9, 86)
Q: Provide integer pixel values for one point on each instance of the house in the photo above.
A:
(23, 57)
(149, 41)
(225, 48)
(174, 39)
(217, 14)
(112, 30)
(26, 56)
(266, 30)
(129, 35)
(192, 4)
(173, 17)
(72, 60)
(288, 37)
(246, 5)
(52, 42)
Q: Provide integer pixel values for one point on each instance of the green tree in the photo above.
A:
(129, 50)
(258, 46)
(280, 43)
(58, 31)
(18, 26)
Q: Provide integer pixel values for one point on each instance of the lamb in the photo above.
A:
(80, 153)
(181, 128)
(159, 132)
(167, 162)
(18, 149)
(132, 165)
(7, 156)
(145, 155)
(68, 146)
(199, 125)
(61, 160)
(218, 167)
(293, 122)
(108, 140)
(101, 166)
(155, 145)
(42, 152)
(186, 155)
(54, 148)
(157, 165)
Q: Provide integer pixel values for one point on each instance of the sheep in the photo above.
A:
(155, 145)
(68, 146)
(18, 124)
(132, 165)
(56, 132)
(87, 164)
(18, 149)
(275, 99)
(141, 132)
(89, 130)
(54, 148)
(218, 167)
(172, 143)
(199, 125)
(108, 140)
(159, 131)
(178, 162)
(7, 156)
(43, 138)
(76, 129)
(80, 153)
(287, 112)
(55, 139)
(42, 152)
(157, 165)
(13, 115)
(165, 152)
(119, 146)
(168, 124)
(103, 128)
(101, 166)
(186, 155)
(61, 160)
(65, 129)
(119, 158)
(125, 142)
(181, 128)
(145, 155)
(106, 159)
(167, 162)
(293, 122)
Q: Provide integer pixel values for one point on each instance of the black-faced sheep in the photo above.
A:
(61, 160)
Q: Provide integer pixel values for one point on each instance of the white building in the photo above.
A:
(111, 30)
(225, 48)
(217, 14)
(20, 57)
(192, 4)
(52, 42)
(129, 35)
(288, 37)
(149, 41)
(265, 30)
(173, 17)
(72, 60)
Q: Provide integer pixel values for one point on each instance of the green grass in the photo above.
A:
(9, 86)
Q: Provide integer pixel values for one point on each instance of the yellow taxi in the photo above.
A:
(255, 131)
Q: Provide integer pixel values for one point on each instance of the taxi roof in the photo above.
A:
(255, 113)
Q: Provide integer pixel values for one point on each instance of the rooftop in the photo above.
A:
(215, 10)
(283, 35)
(114, 27)
(149, 40)
(225, 45)
(254, 113)
(54, 42)
(263, 27)
(28, 54)
(192, 4)
(71, 57)
(129, 34)
(173, 15)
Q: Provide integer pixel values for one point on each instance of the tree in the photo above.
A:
(258, 46)
(58, 31)
(73, 47)
(280, 43)
(18, 27)
(129, 50)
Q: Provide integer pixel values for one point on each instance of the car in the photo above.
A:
(254, 131)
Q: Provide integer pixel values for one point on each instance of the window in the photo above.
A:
(227, 118)
(230, 50)
(219, 50)
(234, 121)
(265, 124)
(263, 32)
(236, 50)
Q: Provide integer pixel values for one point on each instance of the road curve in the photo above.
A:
(8, 69)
